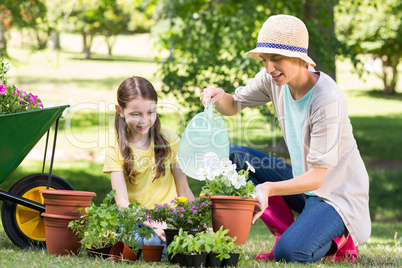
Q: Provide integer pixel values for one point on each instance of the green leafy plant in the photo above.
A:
(185, 243)
(219, 242)
(181, 213)
(209, 242)
(12, 99)
(106, 224)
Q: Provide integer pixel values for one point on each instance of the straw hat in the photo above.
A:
(285, 35)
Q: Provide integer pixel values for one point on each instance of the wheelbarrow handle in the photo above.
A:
(22, 201)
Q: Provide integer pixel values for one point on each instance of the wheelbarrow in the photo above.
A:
(23, 204)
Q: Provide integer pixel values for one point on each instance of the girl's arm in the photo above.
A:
(119, 184)
(309, 181)
(180, 180)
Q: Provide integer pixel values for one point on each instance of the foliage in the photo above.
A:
(107, 17)
(19, 14)
(222, 178)
(12, 99)
(375, 28)
(209, 242)
(183, 214)
(186, 243)
(208, 39)
(106, 224)
(219, 242)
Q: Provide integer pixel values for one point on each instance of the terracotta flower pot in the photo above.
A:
(60, 240)
(152, 253)
(121, 251)
(234, 213)
(66, 202)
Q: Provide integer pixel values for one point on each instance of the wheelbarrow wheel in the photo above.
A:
(24, 226)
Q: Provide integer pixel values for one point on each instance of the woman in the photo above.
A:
(327, 182)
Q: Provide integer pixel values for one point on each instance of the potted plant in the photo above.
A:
(233, 196)
(12, 99)
(220, 248)
(181, 213)
(190, 249)
(193, 216)
(106, 224)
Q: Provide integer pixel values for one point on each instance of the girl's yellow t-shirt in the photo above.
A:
(146, 192)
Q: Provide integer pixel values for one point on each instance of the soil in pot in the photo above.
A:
(152, 253)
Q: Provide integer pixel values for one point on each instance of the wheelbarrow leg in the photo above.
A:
(53, 152)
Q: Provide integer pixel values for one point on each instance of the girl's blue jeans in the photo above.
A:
(309, 238)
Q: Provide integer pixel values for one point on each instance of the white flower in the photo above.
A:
(227, 180)
(250, 167)
(239, 181)
(225, 164)
(212, 173)
(202, 174)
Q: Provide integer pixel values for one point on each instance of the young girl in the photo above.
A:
(142, 164)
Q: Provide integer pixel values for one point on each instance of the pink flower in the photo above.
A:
(3, 89)
(32, 98)
(16, 90)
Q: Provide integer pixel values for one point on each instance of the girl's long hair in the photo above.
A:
(128, 90)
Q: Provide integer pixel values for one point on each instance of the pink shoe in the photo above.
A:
(277, 217)
(347, 252)
(345, 249)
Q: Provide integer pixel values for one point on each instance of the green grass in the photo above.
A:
(89, 87)
(381, 250)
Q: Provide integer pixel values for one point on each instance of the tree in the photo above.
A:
(208, 40)
(115, 21)
(374, 27)
(85, 18)
(107, 17)
(19, 14)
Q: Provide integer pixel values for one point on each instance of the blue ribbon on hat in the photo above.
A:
(280, 46)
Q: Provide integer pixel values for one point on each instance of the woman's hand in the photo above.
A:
(215, 93)
(262, 204)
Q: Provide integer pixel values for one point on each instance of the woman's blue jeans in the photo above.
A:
(309, 238)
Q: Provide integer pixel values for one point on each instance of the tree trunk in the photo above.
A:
(311, 14)
(109, 44)
(3, 40)
(86, 45)
(390, 76)
(56, 41)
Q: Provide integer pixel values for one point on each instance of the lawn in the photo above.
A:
(64, 77)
